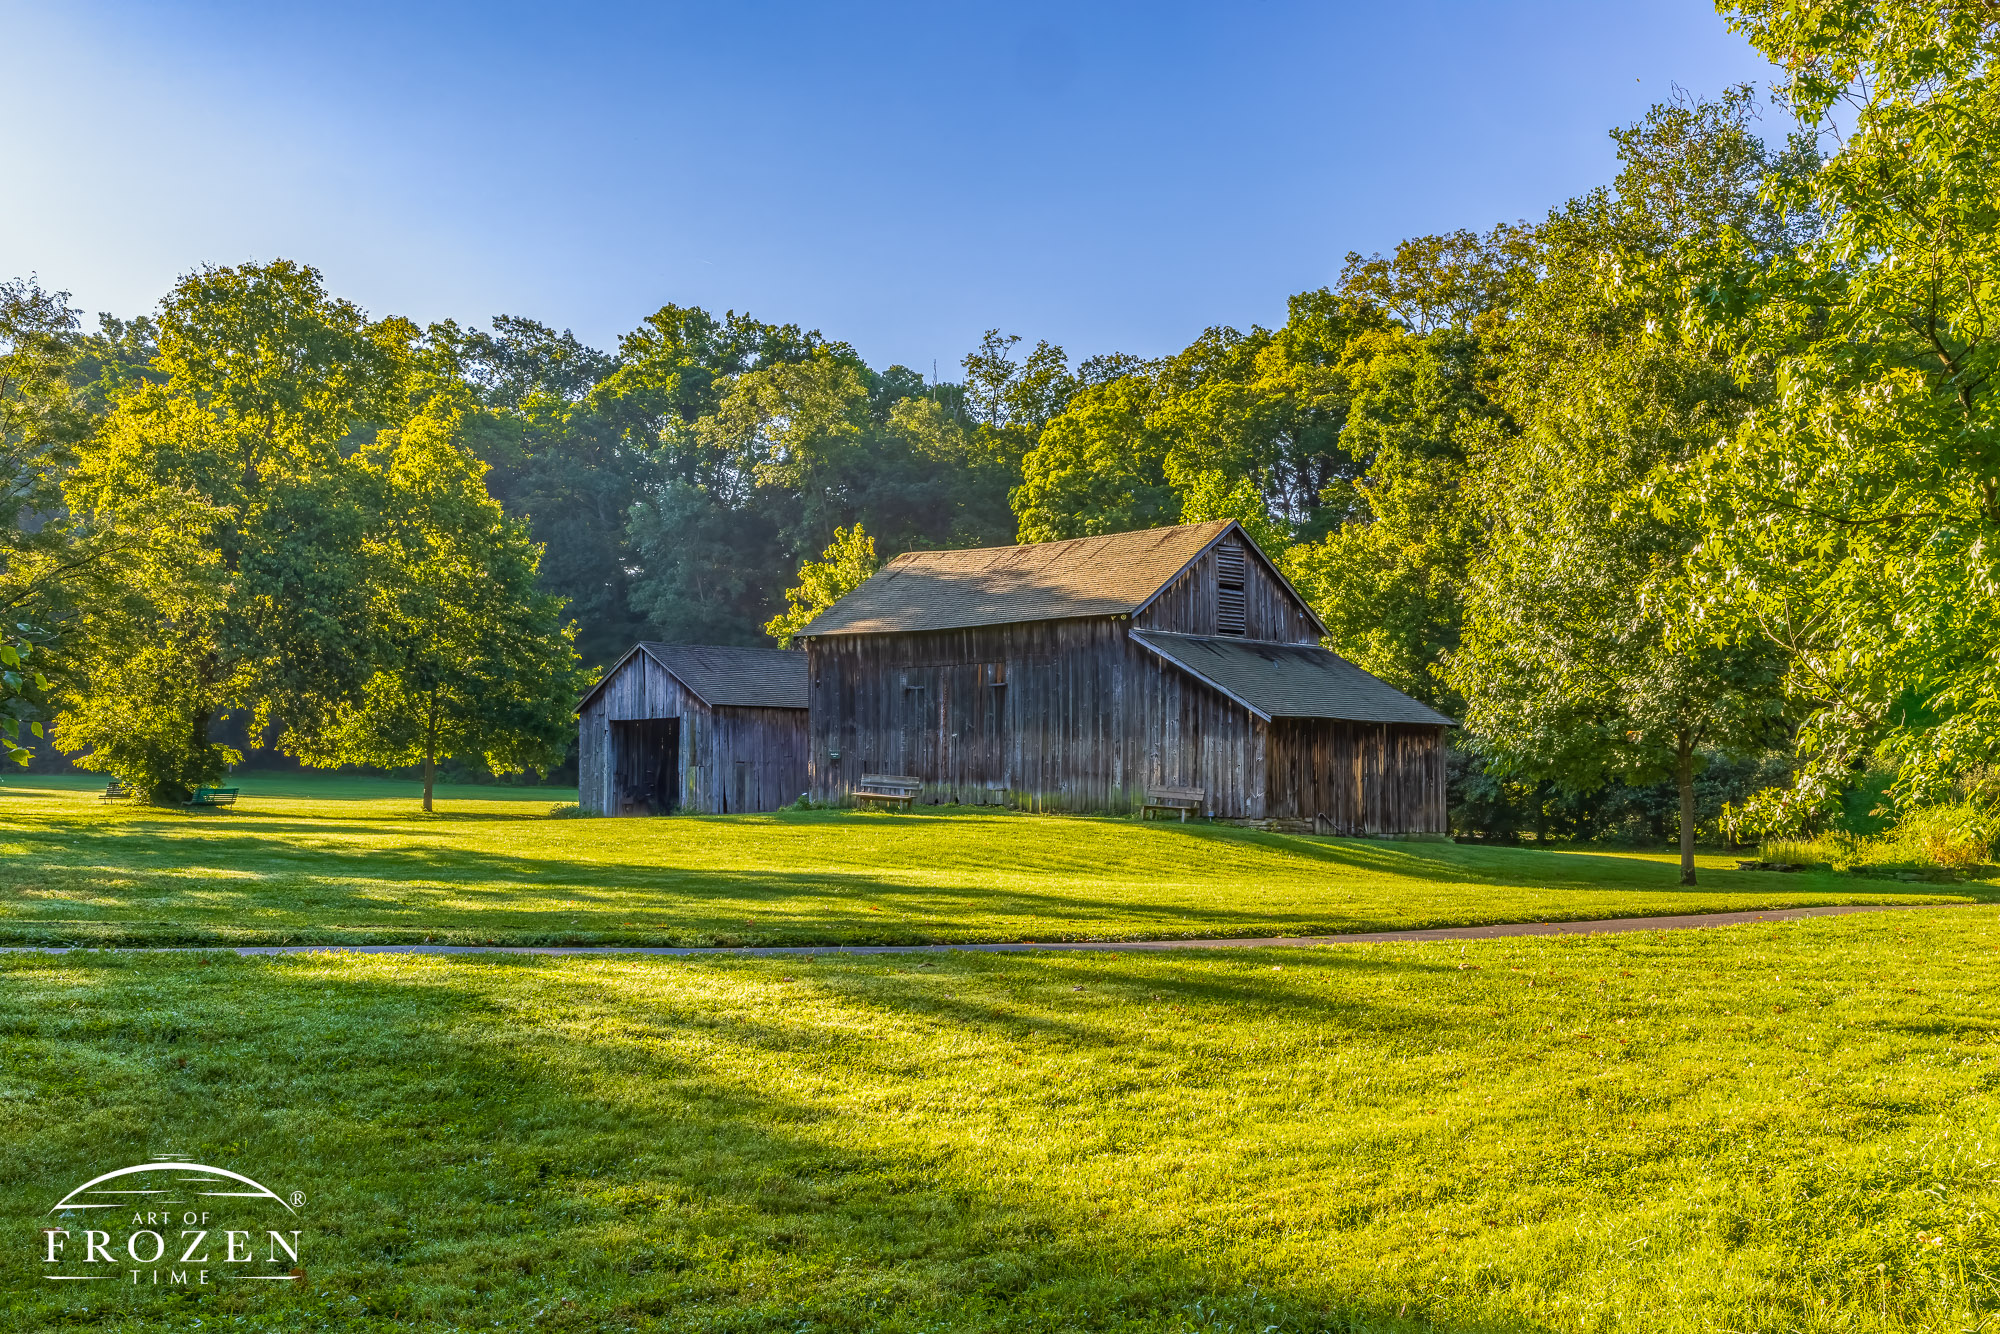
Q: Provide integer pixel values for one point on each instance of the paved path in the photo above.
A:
(1614, 924)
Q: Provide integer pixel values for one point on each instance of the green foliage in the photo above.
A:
(470, 658)
(1954, 836)
(55, 385)
(21, 682)
(1854, 518)
(1583, 659)
(242, 511)
(1239, 425)
(1389, 582)
(1100, 467)
(844, 566)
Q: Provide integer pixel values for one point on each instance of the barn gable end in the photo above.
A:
(696, 728)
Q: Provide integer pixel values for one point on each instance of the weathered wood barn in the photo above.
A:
(692, 727)
(1078, 675)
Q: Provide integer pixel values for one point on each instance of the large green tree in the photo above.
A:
(1238, 425)
(246, 586)
(1855, 517)
(1583, 659)
(470, 658)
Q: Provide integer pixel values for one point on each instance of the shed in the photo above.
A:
(1078, 675)
(710, 729)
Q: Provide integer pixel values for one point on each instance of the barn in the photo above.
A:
(1097, 675)
(694, 727)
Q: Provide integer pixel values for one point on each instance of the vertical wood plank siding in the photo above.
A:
(1358, 778)
(592, 737)
(1188, 605)
(1073, 716)
(731, 760)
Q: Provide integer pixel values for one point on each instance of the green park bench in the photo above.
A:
(115, 791)
(208, 797)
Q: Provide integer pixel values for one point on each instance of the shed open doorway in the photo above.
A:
(647, 764)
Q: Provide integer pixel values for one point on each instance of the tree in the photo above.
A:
(244, 584)
(1100, 468)
(844, 566)
(471, 659)
(20, 683)
(1238, 425)
(1855, 516)
(53, 382)
(1390, 581)
(1582, 657)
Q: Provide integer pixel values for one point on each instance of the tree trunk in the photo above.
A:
(1684, 777)
(430, 756)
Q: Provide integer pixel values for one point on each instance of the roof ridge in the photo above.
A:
(1060, 541)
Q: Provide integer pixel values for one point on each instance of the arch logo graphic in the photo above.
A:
(172, 1223)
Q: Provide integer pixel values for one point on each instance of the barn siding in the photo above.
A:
(1051, 715)
(731, 760)
(1358, 778)
(592, 736)
(1187, 604)
(1086, 721)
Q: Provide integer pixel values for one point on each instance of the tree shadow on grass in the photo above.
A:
(277, 884)
(523, 1141)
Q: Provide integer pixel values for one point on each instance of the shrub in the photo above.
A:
(567, 810)
(1956, 835)
(1839, 851)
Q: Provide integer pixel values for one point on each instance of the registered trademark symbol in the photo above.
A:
(298, 1198)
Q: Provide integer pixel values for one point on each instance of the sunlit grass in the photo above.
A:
(1786, 1127)
(354, 860)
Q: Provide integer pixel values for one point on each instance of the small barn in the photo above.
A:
(1100, 674)
(694, 727)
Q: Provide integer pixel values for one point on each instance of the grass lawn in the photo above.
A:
(354, 860)
(1775, 1127)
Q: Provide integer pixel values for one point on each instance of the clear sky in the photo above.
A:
(1111, 177)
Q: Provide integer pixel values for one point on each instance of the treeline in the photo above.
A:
(1682, 497)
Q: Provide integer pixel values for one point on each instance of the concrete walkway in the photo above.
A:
(1609, 925)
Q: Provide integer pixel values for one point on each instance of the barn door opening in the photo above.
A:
(646, 775)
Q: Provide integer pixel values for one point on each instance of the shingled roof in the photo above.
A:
(1288, 680)
(951, 590)
(727, 676)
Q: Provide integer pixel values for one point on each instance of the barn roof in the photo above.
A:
(1113, 575)
(1288, 680)
(725, 676)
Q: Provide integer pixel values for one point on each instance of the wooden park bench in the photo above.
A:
(212, 796)
(115, 791)
(889, 789)
(1181, 799)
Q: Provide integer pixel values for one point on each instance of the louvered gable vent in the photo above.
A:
(1232, 569)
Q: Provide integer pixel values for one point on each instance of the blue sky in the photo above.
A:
(1109, 177)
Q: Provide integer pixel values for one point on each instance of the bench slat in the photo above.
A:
(1179, 800)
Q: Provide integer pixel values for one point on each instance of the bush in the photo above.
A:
(1956, 836)
(1838, 851)
(1951, 837)
(567, 810)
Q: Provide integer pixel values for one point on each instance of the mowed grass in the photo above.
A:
(332, 860)
(1777, 1127)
